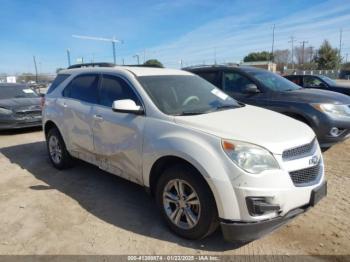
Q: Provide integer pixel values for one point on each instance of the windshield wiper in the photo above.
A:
(189, 113)
(223, 107)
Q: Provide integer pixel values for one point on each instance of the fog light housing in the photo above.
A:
(258, 206)
(335, 131)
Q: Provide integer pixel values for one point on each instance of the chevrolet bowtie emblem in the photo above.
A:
(313, 160)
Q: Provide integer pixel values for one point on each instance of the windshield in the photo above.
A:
(8, 92)
(273, 81)
(327, 80)
(185, 94)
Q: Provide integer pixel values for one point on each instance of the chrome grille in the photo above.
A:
(307, 176)
(28, 114)
(300, 151)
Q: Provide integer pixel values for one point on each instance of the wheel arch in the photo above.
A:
(300, 117)
(51, 124)
(165, 162)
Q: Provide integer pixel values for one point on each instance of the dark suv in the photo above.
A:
(328, 113)
(319, 82)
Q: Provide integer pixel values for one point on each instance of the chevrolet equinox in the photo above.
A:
(207, 159)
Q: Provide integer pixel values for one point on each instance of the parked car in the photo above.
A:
(344, 74)
(328, 113)
(19, 107)
(206, 158)
(318, 82)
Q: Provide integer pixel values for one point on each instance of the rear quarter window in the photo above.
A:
(58, 80)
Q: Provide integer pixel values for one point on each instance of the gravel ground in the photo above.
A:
(87, 211)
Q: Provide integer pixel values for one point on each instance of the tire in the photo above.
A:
(324, 149)
(205, 212)
(59, 156)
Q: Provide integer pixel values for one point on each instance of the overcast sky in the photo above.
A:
(194, 31)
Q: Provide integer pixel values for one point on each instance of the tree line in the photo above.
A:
(307, 58)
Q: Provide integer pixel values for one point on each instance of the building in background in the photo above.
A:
(262, 64)
(11, 79)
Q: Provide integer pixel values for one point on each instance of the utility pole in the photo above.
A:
(138, 58)
(340, 41)
(68, 56)
(181, 63)
(273, 40)
(215, 55)
(303, 51)
(311, 53)
(36, 69)
(114, 57)
(292, 40)
(346, 57)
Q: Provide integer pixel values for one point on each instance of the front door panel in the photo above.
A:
(118, 142)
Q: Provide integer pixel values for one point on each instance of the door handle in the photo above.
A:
(98, 117)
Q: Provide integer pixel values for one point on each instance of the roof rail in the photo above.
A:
(92, 65)
(103, 64)
(143, 65)
(208, 66)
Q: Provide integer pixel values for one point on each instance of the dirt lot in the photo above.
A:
(87, 211)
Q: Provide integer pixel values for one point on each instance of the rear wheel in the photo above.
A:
(58, 154)
(186, 202)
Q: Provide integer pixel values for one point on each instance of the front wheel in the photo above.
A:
(186, 202)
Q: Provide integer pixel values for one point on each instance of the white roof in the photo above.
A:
(137, 70)
(148, 71)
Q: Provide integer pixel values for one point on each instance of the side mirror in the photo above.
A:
(251, 89)
(127, 106)
(322, 85)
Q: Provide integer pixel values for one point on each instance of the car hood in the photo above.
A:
(310, 95)
(19, 103)
(271, 130)
(342, 89)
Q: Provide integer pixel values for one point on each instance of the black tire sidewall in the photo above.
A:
(208, 220)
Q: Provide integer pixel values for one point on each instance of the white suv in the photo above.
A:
(206, 158)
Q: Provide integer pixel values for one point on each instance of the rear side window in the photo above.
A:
(84, 88)
(212, 77)
(114, 88)
(58, 80)
(295, 79)
(235, 82)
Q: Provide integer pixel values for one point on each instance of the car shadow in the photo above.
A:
(106, 196)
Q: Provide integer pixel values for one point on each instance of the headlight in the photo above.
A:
(336, 111)
(249, 157)
(4, 111)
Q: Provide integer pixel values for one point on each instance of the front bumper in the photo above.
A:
(248, 231)
(6, 124)
(323, 127)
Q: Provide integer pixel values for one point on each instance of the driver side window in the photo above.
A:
(311, 81)
(114, 88)
(235, 82)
